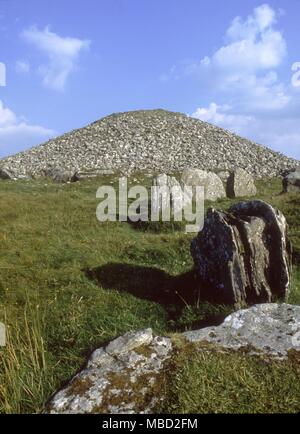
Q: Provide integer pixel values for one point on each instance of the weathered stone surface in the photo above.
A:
(170, 194)
(271, 329)
(240, 183)
(126, 376)
(243, 255)
(155, 140)
(121, 378)
(291, 182)
(164, 180)
(224, 175)
(60, 175)
(6, 173)
(213, 186)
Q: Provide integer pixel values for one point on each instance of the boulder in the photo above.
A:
(271, 329)
(162, 181)
(240, 183)
(291, 181)
(127, 376)
(60, 175)
(224, 175)
(213, 186)
(243, 256)
(6, 173)
(121, 378)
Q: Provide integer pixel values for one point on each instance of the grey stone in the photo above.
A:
(213, 186)
(240, 183)
(243, 255)
(6, 173)
(172, 195)
(271, 329)
(291, 182)
(150, 140)
(126, 376)
(224, 175)
(164, 180)
(121, 378)
(60, 175)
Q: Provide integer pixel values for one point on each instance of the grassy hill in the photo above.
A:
(69, 284)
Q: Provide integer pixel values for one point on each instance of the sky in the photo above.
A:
(66, 63)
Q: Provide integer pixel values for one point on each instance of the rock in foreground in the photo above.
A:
(244, 255)
(127, 376)
(271, 329)
(121, 378)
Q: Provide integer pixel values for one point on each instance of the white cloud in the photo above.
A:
(282, 135)
(221, 116)
(254, 49)
(62, 54)
(22, 67)
(244, 72)
(16, 133)
(252, 45)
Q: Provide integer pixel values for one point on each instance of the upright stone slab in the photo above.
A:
(240, 183)
(243, 255)
(213, 186)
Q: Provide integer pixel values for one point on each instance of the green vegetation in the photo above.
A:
(208, 381)
(69, 284)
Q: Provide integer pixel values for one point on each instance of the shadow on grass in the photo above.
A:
(173, 293)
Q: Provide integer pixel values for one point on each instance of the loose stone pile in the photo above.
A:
(149, 140)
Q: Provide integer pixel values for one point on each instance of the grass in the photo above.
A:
(69, 284)
(208, 381)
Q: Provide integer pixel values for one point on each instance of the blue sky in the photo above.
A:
(69, 63)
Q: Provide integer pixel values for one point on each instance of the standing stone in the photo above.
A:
(175, 199)
(243, 255)
(291, 182)
(240, 183)
(224, 175)
(213, 186)
(164, 180)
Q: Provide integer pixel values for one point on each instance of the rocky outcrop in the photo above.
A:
(151, 140)
(127, 376)
(213, 186)
(271, 329)
(240, 183)
(124, 377)
(291, 182)
(243, 255)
